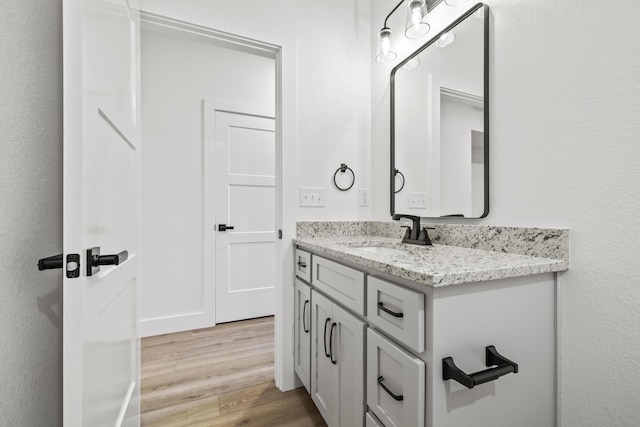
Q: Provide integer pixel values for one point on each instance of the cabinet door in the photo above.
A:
(302, 324)
(395, 383)
(346, 347)
(324, 376)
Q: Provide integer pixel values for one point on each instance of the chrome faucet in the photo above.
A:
(414, 235)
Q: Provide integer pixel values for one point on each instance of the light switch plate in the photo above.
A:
(311, 197)
(417, 200)
(365, 197)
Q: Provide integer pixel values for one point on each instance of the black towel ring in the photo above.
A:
(402, 175)
(343, 168)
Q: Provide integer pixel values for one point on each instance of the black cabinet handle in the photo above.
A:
(302, 264)
(50, 263)
(324, 338)
(224, 227)
(335, 362)
(386, 310)
(304, 317)
(504, 366)
(392, 394)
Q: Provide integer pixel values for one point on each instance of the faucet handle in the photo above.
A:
(407, 233)
(424, 235)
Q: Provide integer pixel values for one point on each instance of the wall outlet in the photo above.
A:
(365, 197)
(311, 197)
(417, 200)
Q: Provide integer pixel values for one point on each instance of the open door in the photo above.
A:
(101, 213)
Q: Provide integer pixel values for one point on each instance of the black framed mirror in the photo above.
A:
(440, 123)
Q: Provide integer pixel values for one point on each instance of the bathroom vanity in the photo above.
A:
(390, 334)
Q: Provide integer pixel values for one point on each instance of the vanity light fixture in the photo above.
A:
(411, 64)
(416, 26)
(446, 39)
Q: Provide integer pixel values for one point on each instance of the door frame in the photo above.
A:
(282, 50)
(209, 108)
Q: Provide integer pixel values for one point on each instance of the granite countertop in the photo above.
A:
(436, 266)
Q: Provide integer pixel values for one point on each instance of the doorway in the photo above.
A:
(188, 262)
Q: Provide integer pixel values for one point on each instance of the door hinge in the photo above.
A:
(280, 234)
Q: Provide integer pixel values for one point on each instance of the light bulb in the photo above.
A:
(386, 51)
(415, 26)
(446, 39)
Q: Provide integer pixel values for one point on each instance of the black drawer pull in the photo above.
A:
(304, 317)
(386, 310)
(504, 366)
(335, 362)
(324, 338)
(302, 264)
(384, 387)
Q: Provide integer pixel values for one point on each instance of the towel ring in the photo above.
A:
(402, 175)
(343, 168)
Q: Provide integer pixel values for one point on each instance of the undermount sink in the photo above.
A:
(381, 250)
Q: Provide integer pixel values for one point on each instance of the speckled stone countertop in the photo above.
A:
(437, 265)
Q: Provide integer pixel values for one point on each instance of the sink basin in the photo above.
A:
(382, 250)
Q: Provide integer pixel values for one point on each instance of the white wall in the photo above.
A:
(30, 212)
(178, 72)
(332, 51)
(564, 151)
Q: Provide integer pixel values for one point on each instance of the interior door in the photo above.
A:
(101, 210)
(245, 215)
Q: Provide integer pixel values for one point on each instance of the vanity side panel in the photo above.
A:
(518, 317)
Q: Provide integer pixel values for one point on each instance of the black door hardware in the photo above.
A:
(304, 317)
(50, 263)
(504, 366)
(55, 261)
(324, 338)
(302, 264)
(280, 234)
(392, 394)
(335, 362)
(224, 227)
(386, 310)
(95, 260)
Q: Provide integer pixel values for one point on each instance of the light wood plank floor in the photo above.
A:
(220, 376)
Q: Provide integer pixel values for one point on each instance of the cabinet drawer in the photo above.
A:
(397, 311)
(344, 284)
(303, 265)
(372, 421)
(395, 383)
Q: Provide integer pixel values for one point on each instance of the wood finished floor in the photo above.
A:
(221, 376)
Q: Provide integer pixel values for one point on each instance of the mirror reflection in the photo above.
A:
(439, 117)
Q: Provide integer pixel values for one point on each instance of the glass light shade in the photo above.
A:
(446, 39)
(416, 27)
(455, 2)
(386, 50)
(411, 64)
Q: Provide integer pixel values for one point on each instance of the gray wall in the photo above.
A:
(30, 212)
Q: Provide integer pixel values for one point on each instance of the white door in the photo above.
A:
(245, 215)
(101, 189)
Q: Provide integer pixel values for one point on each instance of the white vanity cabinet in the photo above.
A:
(337, 369)
(496, 336)
(302, 332)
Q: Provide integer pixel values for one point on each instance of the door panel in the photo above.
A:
(324, 378)
(101, 188)
(245, 199)
(302, 328)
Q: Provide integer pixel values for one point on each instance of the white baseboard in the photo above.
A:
(178, 323)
